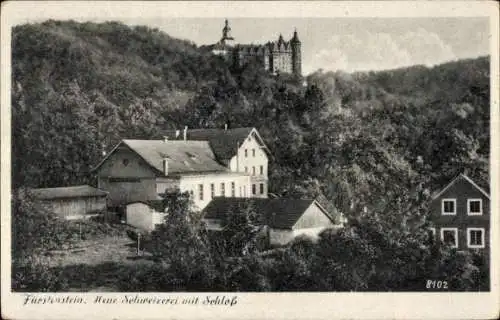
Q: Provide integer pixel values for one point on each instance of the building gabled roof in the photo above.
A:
(157, 205)
(277, 213)
(460, 177)
(182, 156)
(83, 191)
(224, 142)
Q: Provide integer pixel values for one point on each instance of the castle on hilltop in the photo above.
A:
(275, 56)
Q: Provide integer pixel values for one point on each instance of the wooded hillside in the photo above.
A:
(78, 88)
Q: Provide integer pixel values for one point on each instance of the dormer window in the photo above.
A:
(474, 207)
(449, 207)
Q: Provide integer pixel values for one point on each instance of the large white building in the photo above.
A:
(207, 163)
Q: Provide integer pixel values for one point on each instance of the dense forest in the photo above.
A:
(382, 141)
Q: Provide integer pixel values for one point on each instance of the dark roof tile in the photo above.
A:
(224, 143)
(182, 156)
(82, 191)
(278, 213)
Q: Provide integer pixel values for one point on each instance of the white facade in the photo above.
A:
(252, 159)
(142, 216)
(222, 184)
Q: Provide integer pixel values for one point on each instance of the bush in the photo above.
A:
(35, 275)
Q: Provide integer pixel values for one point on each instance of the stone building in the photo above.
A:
(274, 56)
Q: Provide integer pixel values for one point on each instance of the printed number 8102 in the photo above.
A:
(436, 284)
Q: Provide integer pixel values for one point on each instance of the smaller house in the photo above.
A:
(75, 202)
(460, 214)
(145, 215)
(285, 219)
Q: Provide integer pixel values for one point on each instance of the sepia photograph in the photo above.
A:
(188, 160)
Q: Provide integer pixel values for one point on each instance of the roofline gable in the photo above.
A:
(106, 157)
(466, 179)
(266, 149)
(124, 142)
(321, 209)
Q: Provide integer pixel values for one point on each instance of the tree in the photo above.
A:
(181, 248)
(239, 237)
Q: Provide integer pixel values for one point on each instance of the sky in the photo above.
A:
(348, 44)
(329, 43)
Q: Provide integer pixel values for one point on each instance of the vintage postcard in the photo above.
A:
(250, 160)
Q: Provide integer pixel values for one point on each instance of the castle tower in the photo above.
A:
(296, 54)
(226, 34)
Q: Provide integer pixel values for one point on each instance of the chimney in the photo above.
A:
(165, 138)
(225, 127)
(165, 166)
(185, 133)
(177, 133)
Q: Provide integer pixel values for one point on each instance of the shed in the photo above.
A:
(286, 219)
(145, 215)
(73, 202)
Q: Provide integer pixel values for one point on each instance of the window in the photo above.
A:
(254, 189)
(246, 169)
(233, 189)
(448, 206)
(222, 189)
(261, 188)
(450, 236)
(126, 162)
(200, 191)
(212, 191)
(261, 170)
(253, 171)
(253, 152)
(475, 237)
(246, 153)
(474, 207)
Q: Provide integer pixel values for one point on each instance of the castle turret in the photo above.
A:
(226, 34)
(296, 54)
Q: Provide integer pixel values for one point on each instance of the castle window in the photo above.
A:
(212, 191)
(450, 236)
(474, 207)
(261, 170)
(448, 207)
(233, 189)
(254, 189)
(253, 171)
(223, 189)
(475, 237)
(253, 152)
(246, 153)
(261, 188)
